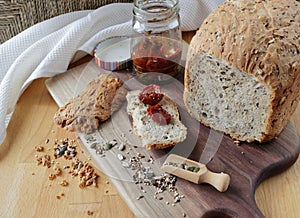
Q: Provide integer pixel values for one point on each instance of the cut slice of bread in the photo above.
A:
(226, 99)
(155, 136)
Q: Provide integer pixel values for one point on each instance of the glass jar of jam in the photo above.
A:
(156, 42)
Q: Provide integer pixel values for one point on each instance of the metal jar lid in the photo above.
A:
(113, 53)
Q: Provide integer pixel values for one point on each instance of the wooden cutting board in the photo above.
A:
(247, 164)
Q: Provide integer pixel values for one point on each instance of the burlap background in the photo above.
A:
(17, 15)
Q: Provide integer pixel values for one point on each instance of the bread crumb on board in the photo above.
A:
(59, 156)
(90, 213)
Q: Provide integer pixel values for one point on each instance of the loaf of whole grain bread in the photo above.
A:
(243, 68)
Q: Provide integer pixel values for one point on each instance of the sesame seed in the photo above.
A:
(140, 197)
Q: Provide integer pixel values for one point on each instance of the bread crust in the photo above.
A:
(261, 38)
(95, 104)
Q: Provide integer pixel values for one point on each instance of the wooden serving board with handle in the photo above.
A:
(247, 164)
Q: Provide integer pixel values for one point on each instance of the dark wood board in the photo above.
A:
(247, 164)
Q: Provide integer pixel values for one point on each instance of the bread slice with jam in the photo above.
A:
(153, 134)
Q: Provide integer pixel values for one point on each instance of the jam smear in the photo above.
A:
(159, 115)
(151, 94)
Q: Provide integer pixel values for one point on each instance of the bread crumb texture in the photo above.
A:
(242, 75)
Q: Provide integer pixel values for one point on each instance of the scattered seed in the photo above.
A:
(64, 183)
(126, 164)
(90, 213)
(52, 176)
(71, 148)
(143, 175)
(57, 171)
(39, 148)
(99, 151)
(151, 160)
(107, 146)
(47, 141)
(140, 156)
(176, 199)
(193, 169)
(121, 147)
(113, 142)
(139, 197)
(121, 157)
(60, 151)
(88, 137)
(93, 145)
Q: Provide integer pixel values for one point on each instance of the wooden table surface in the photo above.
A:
(27, 191)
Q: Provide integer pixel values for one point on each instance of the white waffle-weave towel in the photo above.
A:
(47, 48)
